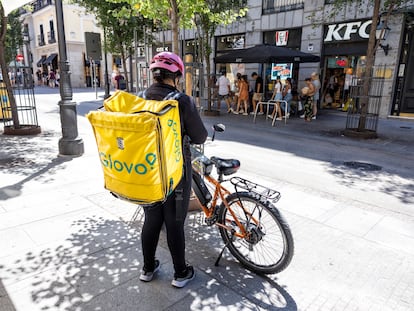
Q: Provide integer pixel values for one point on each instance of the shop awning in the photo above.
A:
(266, 53)
(50, 59)
(41, 61)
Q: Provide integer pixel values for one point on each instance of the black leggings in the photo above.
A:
(155, 216)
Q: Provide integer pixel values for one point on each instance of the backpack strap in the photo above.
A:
(176, 95)
(178, 191)
(142, 94)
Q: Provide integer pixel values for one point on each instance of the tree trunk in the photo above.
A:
(175, 26)
(123, 56)
(6, 80)
(368, 69)
(373, 44)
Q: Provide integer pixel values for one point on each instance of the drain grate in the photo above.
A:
(363, 166)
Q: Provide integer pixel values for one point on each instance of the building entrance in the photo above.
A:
(404, 97)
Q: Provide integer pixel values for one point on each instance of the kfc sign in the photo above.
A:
(354, 31)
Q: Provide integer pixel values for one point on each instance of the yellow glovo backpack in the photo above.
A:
(139, 145)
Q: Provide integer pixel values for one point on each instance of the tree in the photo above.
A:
(206, 15)
(218, 12)
(120, 22)
(10, 39)
(387, 7)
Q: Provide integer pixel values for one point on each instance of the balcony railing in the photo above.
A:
(41, 40)
(276, 6)
(40, 4)
(51, 38)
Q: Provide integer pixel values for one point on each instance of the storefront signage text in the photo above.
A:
(348, 31)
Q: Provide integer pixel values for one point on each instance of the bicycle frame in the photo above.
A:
(238, 213)
(221, 192)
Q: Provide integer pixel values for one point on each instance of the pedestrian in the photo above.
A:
(167, 69)
(120, 81)
(307, 103)
(277, 96)
(333, 84)
(223, 84)
(287, 96)
(277, 90)
(243, 97)
(237, 88)
(39, 77)
(309, 93)
(57, 78)
(52, 78)
(316, 97)
(258, 93)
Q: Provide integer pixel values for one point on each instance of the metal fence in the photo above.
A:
(366, 90)
(22, 81)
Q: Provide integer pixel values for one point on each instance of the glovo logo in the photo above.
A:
(177, 145)
(129, 167)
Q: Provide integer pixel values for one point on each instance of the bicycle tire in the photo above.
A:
(269, 248)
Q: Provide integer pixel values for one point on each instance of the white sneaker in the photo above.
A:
(235, 112)
(147, 276)
(245, 114)
(279, 119)
(260, 113)
(180, 282)
(252, 112)
(314, 118)
(302, 116)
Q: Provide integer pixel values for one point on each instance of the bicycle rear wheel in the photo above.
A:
(268, 245)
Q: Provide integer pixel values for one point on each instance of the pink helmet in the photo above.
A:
(168, 61)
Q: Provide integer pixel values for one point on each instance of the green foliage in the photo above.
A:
(14, 36)
(119, 19)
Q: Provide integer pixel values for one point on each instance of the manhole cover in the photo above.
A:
(363, 166)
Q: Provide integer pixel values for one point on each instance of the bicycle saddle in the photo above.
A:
(226, 166)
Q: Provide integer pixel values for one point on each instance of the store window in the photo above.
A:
(341, 72)
(230, 42)
(287, 38)
(224, 44)
(193, 47)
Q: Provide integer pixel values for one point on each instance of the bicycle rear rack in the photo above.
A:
(261, 192)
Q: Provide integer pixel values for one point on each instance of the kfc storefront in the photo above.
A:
(343, 58)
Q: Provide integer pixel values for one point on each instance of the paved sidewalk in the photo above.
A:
(66, 244)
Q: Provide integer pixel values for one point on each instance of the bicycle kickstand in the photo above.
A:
(225, 246)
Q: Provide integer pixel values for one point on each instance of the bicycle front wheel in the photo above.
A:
(265, 244)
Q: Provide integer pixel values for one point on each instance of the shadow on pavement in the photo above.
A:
(98, 265)
(31, 157)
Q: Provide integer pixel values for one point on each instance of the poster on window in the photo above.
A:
(282, 38)
(284, 71)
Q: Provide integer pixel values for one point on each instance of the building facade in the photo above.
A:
(341, 41)
(42, 52)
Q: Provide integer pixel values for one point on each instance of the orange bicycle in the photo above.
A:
(251, 227)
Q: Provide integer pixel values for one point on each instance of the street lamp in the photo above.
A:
(381, 34)
(70, 143)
